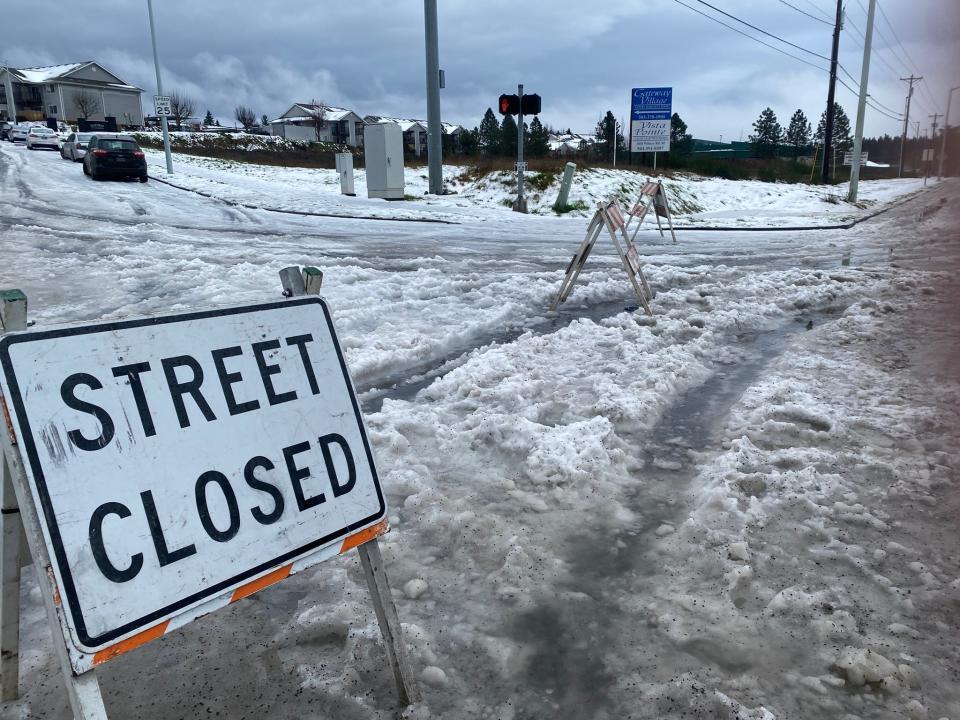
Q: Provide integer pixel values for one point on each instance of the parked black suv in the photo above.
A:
(113, 155)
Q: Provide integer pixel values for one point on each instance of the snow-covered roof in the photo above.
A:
(331, 114)
(49, 73)
(46, 73)
(570, 141)
(407, 124)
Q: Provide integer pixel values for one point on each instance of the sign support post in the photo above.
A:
(83, 690)
(297, 283)
(156, 63)
(13, 316)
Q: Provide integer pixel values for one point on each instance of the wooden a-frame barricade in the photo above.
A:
(19, 518)
(652, 196)
(608, 216)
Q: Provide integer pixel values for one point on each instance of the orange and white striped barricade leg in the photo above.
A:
(17, 509)
(578, 260)
(298, 283)
(614, 222)
(666, 206)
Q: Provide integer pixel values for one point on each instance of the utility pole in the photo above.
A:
(434, 128)
(933, 146)
(831, 93)
(156, 63)
(862, 106)
(906, 120)
(946, 131)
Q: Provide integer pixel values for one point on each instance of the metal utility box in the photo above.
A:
(344, 165)
(383, 157)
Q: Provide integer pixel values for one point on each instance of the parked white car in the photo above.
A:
(75, 146)
(42, 137)
(18, 133)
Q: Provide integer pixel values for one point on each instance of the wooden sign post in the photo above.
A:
(652, 195)
(609, 216)
(228, 452)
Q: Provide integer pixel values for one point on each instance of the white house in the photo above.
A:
(68, 92)
(569, 143)
(338, 125)
(415, 131)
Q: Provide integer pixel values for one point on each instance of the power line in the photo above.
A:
(820, 10)
(784, 52)
(804, 12)
(764, 32)
(737, 30)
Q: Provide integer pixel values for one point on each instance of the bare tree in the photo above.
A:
(87, 103)
(181, 107)
(245, 116)
(318, 117)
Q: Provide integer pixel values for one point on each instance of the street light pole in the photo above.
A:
(156, 63)
(434, 128)
(946, 131)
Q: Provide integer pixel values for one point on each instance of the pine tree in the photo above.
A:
(681, 142)
(798, 133)
(469, 142)
(539, 139)
(607, 132)
(488, 137)
(508, 137)
(208, 118)
(767, 134)
(264, 121)
(842, 139)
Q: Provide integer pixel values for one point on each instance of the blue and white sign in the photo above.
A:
(650, 112)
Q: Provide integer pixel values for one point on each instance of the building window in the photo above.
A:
(51, 89)
(53, 109)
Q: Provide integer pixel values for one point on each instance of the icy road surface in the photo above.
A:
(743, 507)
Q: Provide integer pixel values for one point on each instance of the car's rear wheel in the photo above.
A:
(143, 178)
(85, 170)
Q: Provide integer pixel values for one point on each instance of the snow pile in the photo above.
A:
(694, 200)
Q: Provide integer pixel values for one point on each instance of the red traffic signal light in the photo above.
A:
(530, 104)
(509, 105)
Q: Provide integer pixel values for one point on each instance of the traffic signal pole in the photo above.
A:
(521, 204)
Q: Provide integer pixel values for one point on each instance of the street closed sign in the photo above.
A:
(174, 459)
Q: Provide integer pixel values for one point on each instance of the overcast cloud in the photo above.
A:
(368, 55)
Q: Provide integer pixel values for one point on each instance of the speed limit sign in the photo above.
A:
(161, 104)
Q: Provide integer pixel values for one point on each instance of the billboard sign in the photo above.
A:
(650, 112)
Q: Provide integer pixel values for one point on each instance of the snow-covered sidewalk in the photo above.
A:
(695, 200)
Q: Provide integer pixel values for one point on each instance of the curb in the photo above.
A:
(301, 213)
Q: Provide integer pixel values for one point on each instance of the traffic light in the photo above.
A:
(530, 104)
(509, 105)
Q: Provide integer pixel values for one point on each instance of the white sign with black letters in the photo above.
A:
(172, 459)
(162, 105)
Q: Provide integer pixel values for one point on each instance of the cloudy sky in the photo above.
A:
(581, 57)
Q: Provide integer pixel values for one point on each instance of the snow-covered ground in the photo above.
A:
(742, 507)
(694, 200)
